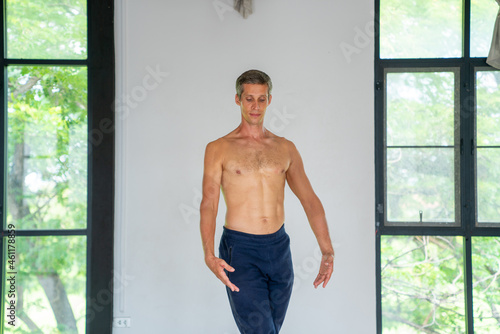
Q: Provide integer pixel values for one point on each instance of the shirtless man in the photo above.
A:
(250, 166)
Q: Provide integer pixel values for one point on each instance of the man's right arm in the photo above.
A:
(212, 176)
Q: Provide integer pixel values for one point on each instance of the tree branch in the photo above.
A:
(396, 317)
(23, 315)
(24, 88)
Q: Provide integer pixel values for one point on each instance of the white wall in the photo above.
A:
(319, 54)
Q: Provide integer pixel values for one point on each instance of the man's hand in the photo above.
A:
(217, 266)
(325, 270)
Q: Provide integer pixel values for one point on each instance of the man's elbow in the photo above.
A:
(208, 206)
(312, 205)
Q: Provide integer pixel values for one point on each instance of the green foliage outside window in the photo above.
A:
(46, 171)
(423, 278)
(47, 189)
(422, 285)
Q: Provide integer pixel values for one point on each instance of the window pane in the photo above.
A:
(488, 152)
(488, 185)
(420, 181)
(488, 108)
(420, 108)
(421, 158)
(47, 147)
(483, 14)
(422, 285)
(50, 285)
(486, 291)
(420, 29)
(44, 29)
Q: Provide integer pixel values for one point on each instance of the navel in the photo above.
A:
(238, 171)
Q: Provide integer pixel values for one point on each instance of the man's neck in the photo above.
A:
(257, 132)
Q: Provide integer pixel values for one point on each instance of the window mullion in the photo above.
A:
(469, 311)
(467, 179)
(466, 29)
(467, 113)
(467, 174)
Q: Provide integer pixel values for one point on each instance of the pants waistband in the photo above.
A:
(254, 238)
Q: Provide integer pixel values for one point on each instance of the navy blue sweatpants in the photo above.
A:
(264, 275)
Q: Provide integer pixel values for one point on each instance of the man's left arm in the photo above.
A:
(301, 187)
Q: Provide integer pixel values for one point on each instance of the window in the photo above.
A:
(57, 176)
(437, 119)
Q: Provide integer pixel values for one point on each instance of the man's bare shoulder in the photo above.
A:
(219, 148)
(288, 144)
(215, 143)
(215, 147)
(220, 144)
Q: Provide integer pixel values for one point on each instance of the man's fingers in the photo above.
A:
(325, 273)
(318, 280)
(227, 266)
(234, 288)
(217, 265)
(223, 265)
(327, 279)
(223, 277)
(228, 283)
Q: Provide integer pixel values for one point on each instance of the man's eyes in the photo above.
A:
(260, 100)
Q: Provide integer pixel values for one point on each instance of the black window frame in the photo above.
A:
(100, 65)
(467, 66)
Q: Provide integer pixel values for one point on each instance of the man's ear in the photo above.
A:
(270, 98)
(237, 99)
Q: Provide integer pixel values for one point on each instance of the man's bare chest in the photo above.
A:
(247, 160)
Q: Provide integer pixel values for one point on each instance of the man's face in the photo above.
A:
(253, 103)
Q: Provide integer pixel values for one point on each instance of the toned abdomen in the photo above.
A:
(254, 202)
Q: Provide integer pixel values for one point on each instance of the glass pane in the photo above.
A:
(420, 185)
(420, 108)
(488, 108)
(483, 15)
(47, 147)
(487, 137)
(44, 29)
(420, 29)
(486, 291)
(488, 185)
(48, 279)
(422, 285)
